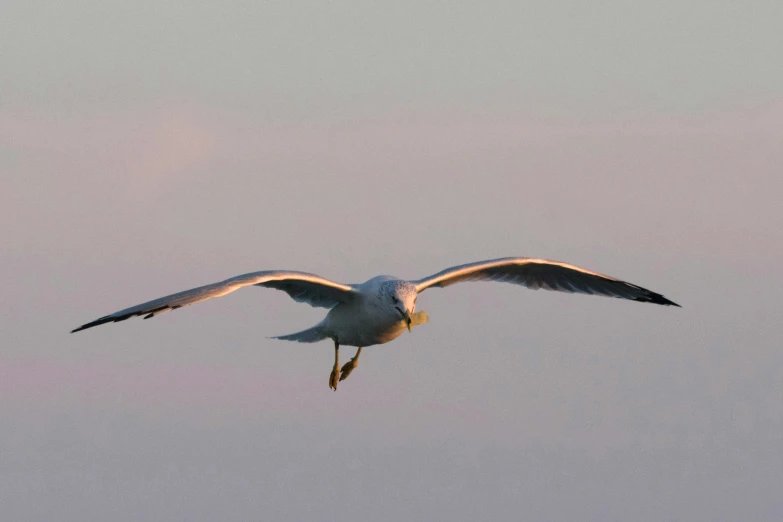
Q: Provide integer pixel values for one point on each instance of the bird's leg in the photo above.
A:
(350, 365)
(334, 377)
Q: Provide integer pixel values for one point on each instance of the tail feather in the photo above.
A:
(311, 335)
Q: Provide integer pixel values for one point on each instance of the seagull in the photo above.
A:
(382, 308)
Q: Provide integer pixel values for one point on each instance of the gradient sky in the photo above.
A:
(148, 147)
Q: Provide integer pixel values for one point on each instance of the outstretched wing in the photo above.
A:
(302, 287)
(542, 273)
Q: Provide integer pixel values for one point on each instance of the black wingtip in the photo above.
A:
(657, 299)
(104, 320)
(661, 300)
(83, 327)
(97, 322)
(117, 318)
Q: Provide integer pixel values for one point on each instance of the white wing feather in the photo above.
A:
(302, 287)
(542, 273)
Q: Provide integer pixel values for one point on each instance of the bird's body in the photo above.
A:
(365, 320)
(362, 324)
(380, 309)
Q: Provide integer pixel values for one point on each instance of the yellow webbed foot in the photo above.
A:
(348, 367)
(333, 378)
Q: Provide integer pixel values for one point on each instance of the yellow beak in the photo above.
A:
(408, 320)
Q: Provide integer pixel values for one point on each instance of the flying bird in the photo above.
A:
(380, 309)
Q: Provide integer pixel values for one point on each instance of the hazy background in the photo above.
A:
(148, 147)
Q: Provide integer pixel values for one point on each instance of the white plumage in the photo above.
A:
(379, 310)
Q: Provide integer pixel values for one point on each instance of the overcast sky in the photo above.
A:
(148, 147)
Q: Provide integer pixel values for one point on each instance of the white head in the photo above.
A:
(400, 296)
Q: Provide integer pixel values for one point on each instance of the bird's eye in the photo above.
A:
(394, 299)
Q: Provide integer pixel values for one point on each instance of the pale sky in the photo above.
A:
(147, 148)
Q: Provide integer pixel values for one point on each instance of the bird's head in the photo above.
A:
(400, 296)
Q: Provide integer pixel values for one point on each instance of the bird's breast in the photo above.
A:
(367, 325)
